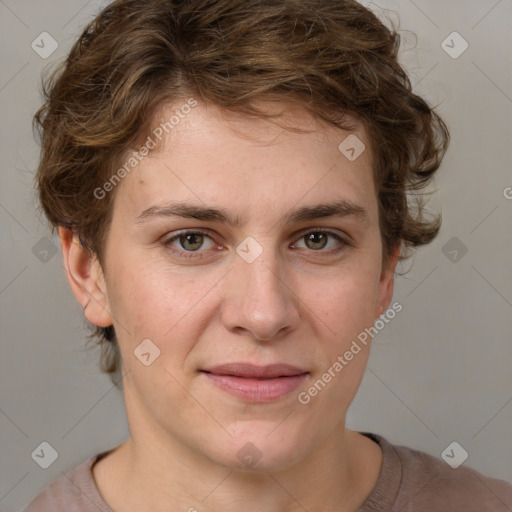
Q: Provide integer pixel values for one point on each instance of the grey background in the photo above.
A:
(439, 372)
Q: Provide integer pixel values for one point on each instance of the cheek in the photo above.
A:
(345, 308)
(160, 304)
(344, 300)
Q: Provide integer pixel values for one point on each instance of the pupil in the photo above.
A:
(192, 242)
(317, 238)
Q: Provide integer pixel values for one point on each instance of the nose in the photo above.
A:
(259, 298)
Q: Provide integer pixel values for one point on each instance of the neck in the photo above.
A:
(155, 470)
(143, 476)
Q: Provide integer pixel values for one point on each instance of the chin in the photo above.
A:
(259, 451)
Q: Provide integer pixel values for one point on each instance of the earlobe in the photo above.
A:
(387, 282)
(86, 279)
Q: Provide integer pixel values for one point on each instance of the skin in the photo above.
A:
(299, 303)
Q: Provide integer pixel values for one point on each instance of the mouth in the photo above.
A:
(256, 384)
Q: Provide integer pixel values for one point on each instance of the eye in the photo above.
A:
(189, 242)
(317, 240)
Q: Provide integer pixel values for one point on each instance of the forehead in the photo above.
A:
(214, 155)
(211, 122)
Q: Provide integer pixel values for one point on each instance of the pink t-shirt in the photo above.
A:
(409, 481)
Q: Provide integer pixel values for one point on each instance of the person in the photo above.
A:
(233, 185)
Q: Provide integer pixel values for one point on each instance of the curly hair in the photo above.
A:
(332, 58)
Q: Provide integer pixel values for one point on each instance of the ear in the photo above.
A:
(387, 282)
(86, 279)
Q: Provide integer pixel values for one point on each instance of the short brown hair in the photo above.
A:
(331, 57)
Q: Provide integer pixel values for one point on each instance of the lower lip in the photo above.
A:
(257, 390)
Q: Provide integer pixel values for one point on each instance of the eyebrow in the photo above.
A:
(341, 208)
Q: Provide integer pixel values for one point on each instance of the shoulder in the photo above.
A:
(429, 483)
(75, 491)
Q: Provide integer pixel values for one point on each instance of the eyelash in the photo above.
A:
(196, 254)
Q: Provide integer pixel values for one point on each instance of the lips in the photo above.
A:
(250, 371)
(256, 384)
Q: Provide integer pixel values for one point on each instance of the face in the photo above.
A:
(250, 257)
